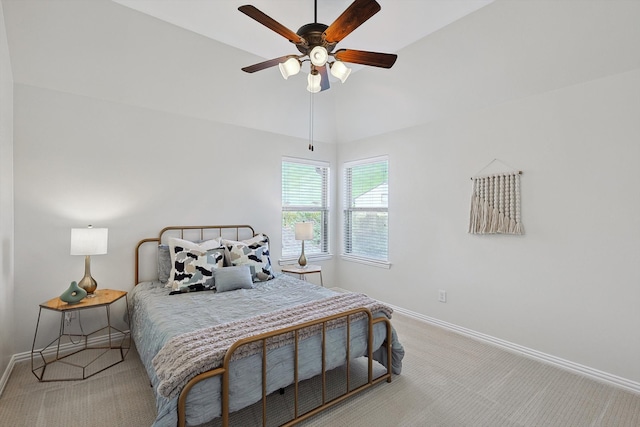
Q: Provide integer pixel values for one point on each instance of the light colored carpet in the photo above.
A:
(447, 380)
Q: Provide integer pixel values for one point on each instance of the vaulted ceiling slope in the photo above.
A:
(500, 52)
(505, 51)
(399, 23)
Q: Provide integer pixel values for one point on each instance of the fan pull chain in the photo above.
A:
(311, 121)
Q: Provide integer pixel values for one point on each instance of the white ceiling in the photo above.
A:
(508, 50)
(162, 54)
(398, 24)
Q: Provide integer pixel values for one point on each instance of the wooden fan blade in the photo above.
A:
(266, 64)
(375, 59)
(354, 16)
(270, 23)
(324, 78)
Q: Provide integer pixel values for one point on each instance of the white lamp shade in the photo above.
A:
(304, 230)
(340, 71)
(314, 83)
(290, 67)
(318, 56)
(89, 241)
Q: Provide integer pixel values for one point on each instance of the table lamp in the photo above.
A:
(304, 231)
(88, 241)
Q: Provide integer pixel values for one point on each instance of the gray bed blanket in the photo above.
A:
(187, 355)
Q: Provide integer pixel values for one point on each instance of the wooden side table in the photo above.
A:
(303, 271)
(59, 359)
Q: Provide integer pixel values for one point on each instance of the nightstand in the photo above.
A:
(80, 355)
(303, 271)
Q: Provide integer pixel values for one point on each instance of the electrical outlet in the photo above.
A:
(442, 295)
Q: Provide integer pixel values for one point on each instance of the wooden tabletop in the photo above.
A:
(301, 270)
(102, 297)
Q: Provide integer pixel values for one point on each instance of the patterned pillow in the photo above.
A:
(193, 263)
(253, 252)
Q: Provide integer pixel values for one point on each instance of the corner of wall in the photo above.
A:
(6, 204)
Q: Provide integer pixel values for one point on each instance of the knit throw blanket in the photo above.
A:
(185, 356)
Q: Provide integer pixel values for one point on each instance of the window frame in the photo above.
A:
(287, 256)
(348, 209)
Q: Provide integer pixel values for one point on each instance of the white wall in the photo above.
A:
(549, 87)
(135, 171)
(569, 286)
(127, 122)
(6, 200)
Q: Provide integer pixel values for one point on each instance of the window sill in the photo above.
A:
(310, 258)
(367, 261)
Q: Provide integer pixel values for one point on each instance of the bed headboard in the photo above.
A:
(193, 233)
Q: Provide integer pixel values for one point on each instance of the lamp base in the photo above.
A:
(302, 261)
(88, 283)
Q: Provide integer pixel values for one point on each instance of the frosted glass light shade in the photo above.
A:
(318, 56)
(304, 230)
(89, 241)
(340, 71)
(313, 83)
(290, 67)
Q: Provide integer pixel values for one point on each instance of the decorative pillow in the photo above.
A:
(231, 278)
(164, 263)
(193, 263)
(253, 252)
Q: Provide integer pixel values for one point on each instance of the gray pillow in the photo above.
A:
(164, 263)
(231, 278)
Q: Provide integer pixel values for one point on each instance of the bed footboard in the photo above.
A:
(223, 371)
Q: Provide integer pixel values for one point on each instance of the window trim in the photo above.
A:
(366, 261)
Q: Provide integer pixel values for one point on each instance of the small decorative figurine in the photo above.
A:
(74, 294)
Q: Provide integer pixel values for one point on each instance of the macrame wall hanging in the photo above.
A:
(495, 203)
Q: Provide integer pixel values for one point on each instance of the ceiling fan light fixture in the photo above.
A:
(318, 56)
(290, 67)
(314, 83)
(340, 71)
(317, 42)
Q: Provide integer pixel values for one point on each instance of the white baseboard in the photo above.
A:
(543, 357)
(7, 373)
(64, 348)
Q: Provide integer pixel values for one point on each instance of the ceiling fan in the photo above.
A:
(316, 43)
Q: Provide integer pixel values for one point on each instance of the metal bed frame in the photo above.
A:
(223, 371)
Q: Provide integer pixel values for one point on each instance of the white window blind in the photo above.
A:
(305, 197)
(366, 202)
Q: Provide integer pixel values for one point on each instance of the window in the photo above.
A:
(366, 217)
(305, 197)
